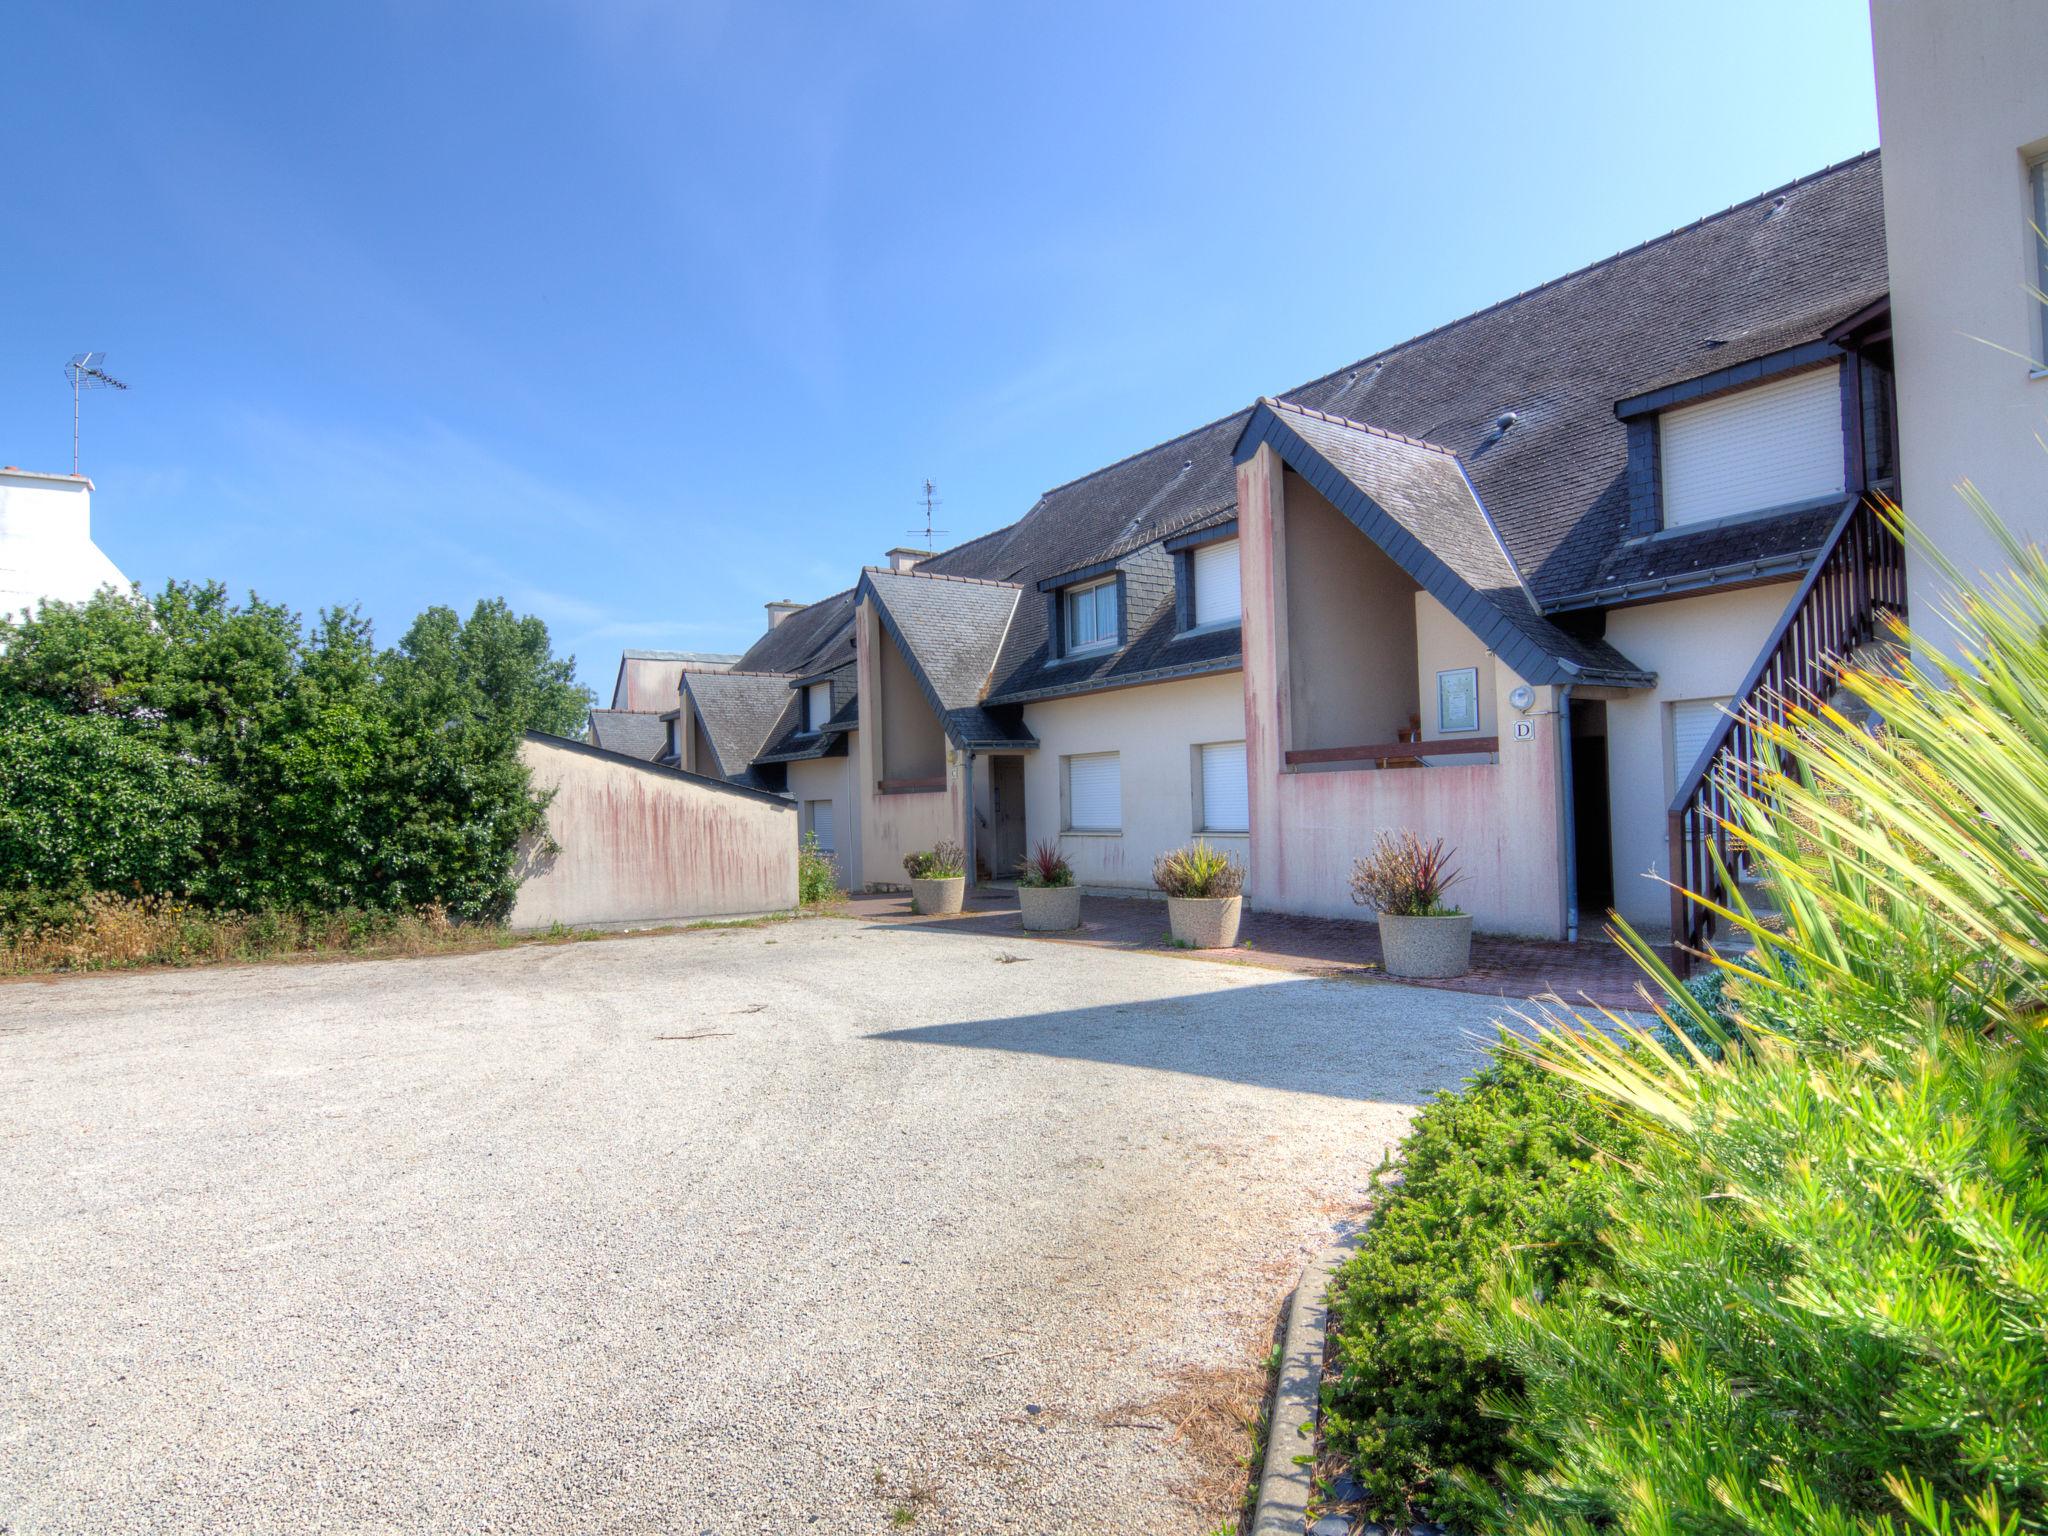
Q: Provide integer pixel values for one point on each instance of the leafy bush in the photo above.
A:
(1404, 877)
(1198, 871)
(1821, 1291)
(191, 748)
(1501, 1165)
(1045, 868)
(946, 861)
(817, 873)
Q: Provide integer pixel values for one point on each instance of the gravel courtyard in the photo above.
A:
(811, 1227)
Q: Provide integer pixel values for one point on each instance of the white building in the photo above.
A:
(46, 548)
(1962, 109)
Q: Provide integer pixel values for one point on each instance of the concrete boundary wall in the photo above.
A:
(640, 843)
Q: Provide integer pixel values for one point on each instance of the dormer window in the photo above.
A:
(1775, 444)
(817, 707)
(1088, 616)
(1217, 598)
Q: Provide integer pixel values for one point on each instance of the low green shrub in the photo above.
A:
(1505, 1164)
(817, 873)
(1198, 872)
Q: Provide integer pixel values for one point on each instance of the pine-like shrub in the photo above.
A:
(1503, 1165)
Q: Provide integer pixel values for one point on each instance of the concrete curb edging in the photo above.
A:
(1284, 1484)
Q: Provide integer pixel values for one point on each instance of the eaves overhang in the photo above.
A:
(1481, 614)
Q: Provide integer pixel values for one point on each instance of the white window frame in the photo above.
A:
(813, 721)
(1067, 822)
(811, 823)
(1198, 620)
(1201, 782)
(1714, 705)
(2037, 240)
(1825, 381)
(1443, 724)
(1070, 596)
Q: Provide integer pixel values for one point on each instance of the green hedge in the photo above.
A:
(190, 747)
(1504, 1164)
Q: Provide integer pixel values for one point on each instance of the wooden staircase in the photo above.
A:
(1858, 577)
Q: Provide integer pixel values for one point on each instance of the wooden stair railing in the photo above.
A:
(1859, 573)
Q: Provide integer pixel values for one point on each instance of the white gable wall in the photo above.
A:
(46, 548)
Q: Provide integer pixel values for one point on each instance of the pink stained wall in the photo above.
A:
(640, 844)
(1504, 819)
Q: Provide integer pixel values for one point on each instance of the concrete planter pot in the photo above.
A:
(1204, 922)
(1049, 908)
(1426, 947)
(938, 898)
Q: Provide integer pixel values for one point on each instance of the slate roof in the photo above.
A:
(809, 640)
(742, 712)
(1413, 500)
(951, 630)
(1768, 274)
(629, 732)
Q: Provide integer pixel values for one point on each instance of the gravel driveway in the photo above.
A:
(919, 1228)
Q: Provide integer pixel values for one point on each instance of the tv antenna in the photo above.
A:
(931, 503)
(85, 371)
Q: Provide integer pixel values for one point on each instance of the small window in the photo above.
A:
(1091, 616)
(1218, 596)
(817, 705)
(818, 821)
(1222, 797)
(1095, 792)
(1773, 445)
(1457, 700)
(2037, 174)
(1693, 722)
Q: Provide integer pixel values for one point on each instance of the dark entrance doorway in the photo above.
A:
(1005, 843)
(1592, 825)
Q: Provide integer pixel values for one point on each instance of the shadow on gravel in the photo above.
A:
(1382, 1044)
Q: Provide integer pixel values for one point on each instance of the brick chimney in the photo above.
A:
(778, 611)
(901, 559)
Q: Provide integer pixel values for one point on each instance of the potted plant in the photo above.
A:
(1404, 880)
(938, 880)
(1047, 897)
(1204, 895)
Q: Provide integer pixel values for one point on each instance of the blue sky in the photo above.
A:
(640, 314)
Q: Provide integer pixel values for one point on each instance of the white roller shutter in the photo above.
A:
(1692, 722)
(1769, 446)
(819, 710)
(1226, 801)
(1218, 595)
(1095, 793)
(821, 823)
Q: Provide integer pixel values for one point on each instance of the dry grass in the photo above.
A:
(111, 933)
(117, 932)
(1215, 1414)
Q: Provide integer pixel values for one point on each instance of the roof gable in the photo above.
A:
(950, 630)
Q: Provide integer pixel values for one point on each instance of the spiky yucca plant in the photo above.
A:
(1824, 1299)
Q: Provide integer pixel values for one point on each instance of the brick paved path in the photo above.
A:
(1593, 969)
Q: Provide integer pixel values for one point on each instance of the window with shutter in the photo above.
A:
(1692, 722)
(1095, 793)
(1769, 446)
(819, 813)
(1226, 799)
(1218, 599)
(817, 705)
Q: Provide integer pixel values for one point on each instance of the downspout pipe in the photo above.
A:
(967, 840)
(1569, 817)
